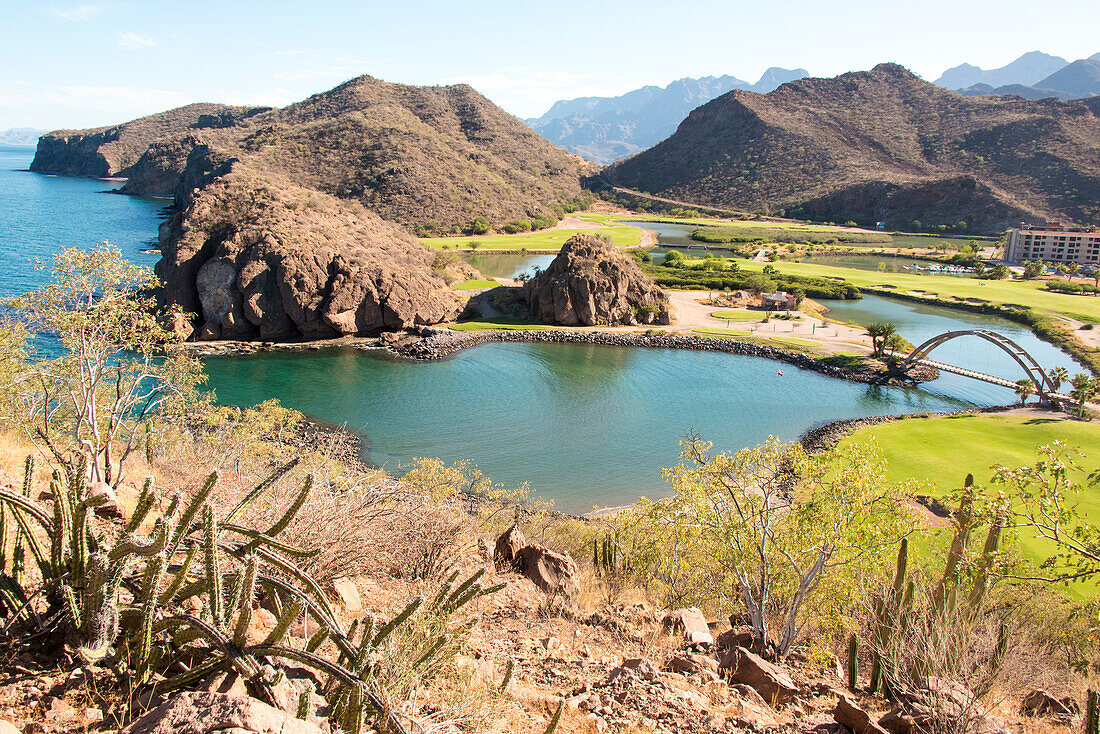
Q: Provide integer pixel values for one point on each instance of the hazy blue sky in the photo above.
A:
(96, 62)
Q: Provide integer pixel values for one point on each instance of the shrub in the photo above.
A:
(480, 225)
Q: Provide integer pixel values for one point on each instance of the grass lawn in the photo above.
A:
(622, 235)
(721, 332)
(941, 451)
(500, 323)
(471, 285)
(1027, 293)
(794, 341)
(738, 315)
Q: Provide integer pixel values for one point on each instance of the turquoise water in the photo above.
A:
(584, 425)
(41, 214)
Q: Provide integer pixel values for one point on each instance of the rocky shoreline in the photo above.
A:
(821, 439)
(437, 344)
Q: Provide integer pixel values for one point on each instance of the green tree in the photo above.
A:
(999, 271)
(1083, 390)
(770, 526)
(880, 332)
(117, 370)
(1025, 388)
(480, 225)
(1057, 376)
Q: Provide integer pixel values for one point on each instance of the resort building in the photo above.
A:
(1052, 243)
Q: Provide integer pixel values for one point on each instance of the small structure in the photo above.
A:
(778, 301)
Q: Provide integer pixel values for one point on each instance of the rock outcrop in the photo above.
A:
(198, 712)
(554, 573)
(260, 258)
(591, 283)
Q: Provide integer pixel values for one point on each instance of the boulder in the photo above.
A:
(199, 712)
(554, 573)
(103, 497)
(851, 715)
(1041, 703)
(692, 662)
(689, 621)
(769, 680)
(738, 637)
(348, 594)
(508, 545)
(592, 283)
(8, 728)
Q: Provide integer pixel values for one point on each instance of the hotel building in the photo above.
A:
(1052, 243)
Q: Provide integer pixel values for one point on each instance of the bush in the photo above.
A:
(516, 226)
(480, 225)
(1065, 286)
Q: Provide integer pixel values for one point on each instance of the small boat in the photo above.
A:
(779, 373)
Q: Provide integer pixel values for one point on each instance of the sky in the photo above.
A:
(88, 63)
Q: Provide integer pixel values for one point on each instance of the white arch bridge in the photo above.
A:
(1033, 371)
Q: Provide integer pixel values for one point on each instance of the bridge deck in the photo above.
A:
(992, 379)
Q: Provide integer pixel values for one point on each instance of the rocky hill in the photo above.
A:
(260, 258)
(112, 151)
(293, 223)
(412, 154)
(882, 145)
(591, 283)
(605, 129)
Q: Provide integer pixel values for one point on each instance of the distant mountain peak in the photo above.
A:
(605, 129)
(1027, 70)
(20, 136)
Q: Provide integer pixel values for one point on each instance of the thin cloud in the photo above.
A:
(131, 39)
(79, 14)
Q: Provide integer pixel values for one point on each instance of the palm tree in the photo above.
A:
(1024, 388)
(1084, 389)
(880, 332)
(1057, 376)
(1071, 269)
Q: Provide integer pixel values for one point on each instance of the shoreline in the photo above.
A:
(439, 345)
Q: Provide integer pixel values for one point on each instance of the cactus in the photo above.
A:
(192, 554)
(853, 662)
(892, 612)
(1092, 713)
(556, 719)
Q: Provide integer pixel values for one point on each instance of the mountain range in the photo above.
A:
(881, 145)
(21, 136)
(605, 129)
(1034, 75)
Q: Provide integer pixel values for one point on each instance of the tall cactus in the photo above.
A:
(853, 662)
(892, 614)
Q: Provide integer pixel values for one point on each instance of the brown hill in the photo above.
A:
(882, 145)
(279, 227)
(413, 154)
(113, 150)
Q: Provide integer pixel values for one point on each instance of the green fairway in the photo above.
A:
(1029, 293)
(739, 315)
(500, 323)
(721, 332)
(941, 451)
(622, 235)
(471, 285)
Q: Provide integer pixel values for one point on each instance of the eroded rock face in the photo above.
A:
(590, 283)
(769, 680)
(263, 259)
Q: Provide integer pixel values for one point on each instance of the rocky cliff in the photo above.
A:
(591, 283)
(882, 145)
(259, 258)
